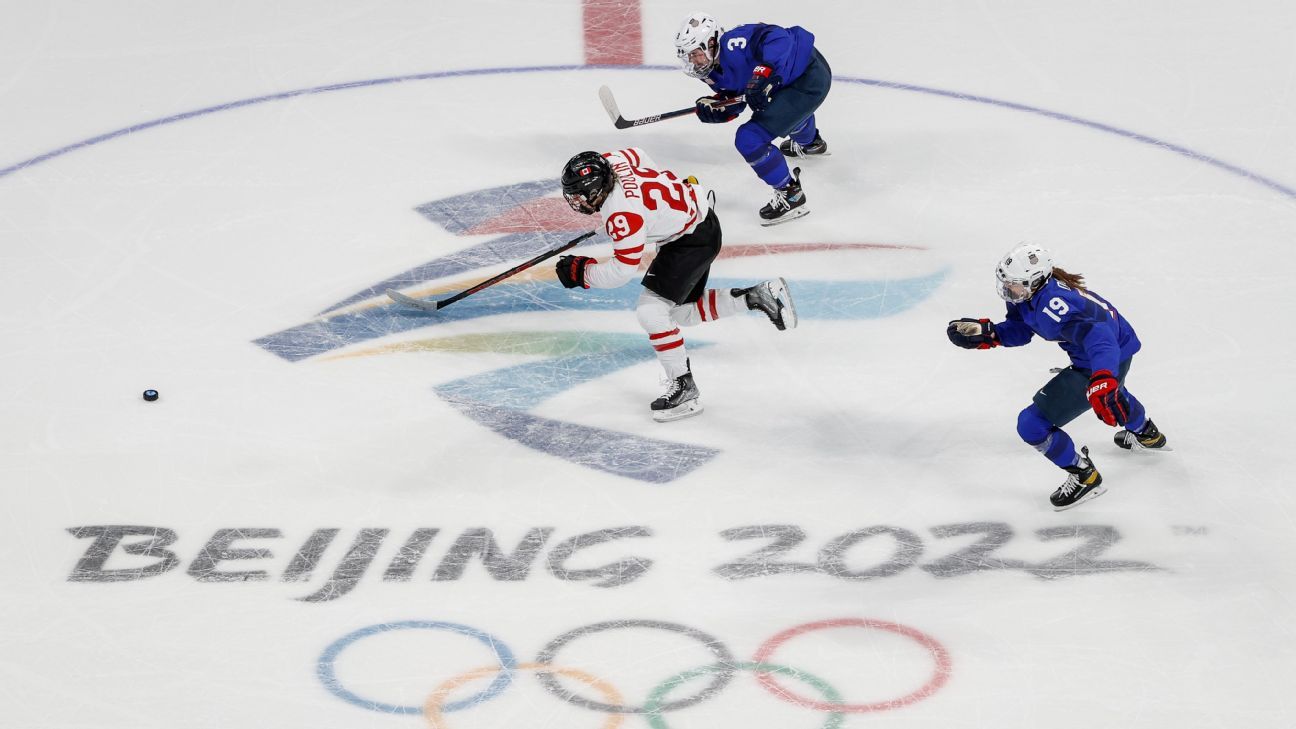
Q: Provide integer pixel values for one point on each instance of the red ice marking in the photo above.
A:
(940, 672)
(613, 32)
(541, 214)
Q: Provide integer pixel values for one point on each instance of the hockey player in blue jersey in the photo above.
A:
(783, 78)
(1056, 305)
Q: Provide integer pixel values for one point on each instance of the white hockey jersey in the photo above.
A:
(647, 207)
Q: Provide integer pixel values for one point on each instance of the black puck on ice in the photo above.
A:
(150, 395)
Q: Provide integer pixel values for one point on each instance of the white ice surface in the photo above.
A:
(156, 258)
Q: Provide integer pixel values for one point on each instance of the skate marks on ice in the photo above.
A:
(521, 219)
(499, 399)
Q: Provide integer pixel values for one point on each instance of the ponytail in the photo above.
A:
(1071, 280)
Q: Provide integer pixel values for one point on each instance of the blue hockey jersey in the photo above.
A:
(786, 50)
(1085, 325)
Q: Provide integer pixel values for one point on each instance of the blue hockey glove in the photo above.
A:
(571, 271)
(709, 111)
(972, 333)
(761, 87)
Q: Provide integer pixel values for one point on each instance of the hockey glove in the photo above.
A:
(571, 271)
(972, 333)
(710, 111)
(761, 87)
(1106, 398)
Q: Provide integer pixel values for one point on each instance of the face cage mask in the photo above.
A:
(692, 70)
(579, 202)
(1014, 292)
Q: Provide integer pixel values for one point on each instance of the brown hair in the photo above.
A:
(1072, 280)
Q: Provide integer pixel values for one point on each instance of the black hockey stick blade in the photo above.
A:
(400, 298)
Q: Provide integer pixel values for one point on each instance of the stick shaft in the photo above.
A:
(506, 274)
(620, 122)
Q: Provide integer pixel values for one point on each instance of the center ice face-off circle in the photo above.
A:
(723, 668)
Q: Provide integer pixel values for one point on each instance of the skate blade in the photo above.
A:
(1142, 449)
(679, 412)
(1136, 448)
(1087, 497)
(789, 311)
(800, 212)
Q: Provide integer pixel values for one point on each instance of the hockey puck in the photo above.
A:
(150, 395)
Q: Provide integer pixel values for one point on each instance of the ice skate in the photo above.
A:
(1147, 439)
(679, 401)
(788, 203)
(773, 298)
(816, 148)
(1083, 483)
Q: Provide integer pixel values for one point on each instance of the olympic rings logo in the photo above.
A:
(546, 667)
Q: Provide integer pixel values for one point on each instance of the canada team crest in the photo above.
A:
(514, 222)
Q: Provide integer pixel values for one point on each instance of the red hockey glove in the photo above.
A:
(972, 333)
(571, 271)
(1105, 397)
(761, 87)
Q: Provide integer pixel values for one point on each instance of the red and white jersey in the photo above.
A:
(648, 206)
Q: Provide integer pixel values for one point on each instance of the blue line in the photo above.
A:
(1145, 139)
(1059, 116)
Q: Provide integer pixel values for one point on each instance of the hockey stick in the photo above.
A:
(620, 122)
(400, 298)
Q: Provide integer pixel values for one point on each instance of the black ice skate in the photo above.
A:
(1083, 483)
(787, 204)
(679, 401)
(1149, 438)
(773, 298)
(817, 148)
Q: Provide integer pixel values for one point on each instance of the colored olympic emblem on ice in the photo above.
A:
(521, 219)
(769, 673)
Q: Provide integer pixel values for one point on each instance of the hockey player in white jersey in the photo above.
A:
(645, 207)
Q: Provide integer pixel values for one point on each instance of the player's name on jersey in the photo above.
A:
(618, 555)
(629, 185)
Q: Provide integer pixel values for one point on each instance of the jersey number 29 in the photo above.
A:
(673, 196)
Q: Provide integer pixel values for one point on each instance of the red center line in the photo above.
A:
(613, 32)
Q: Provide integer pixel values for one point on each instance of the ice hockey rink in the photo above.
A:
(343, 513)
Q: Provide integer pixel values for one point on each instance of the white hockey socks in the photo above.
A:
(714, 304)
(655, 316)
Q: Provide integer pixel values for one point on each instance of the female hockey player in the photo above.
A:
(1056, 305)
(644, 207)
(784, 79)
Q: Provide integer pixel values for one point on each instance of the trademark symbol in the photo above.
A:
(1180, 530)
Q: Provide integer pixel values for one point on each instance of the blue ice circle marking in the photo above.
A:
(1191, 154)
(326, 669)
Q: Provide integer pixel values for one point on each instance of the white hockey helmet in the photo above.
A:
(700, 32)
(1022, 271)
